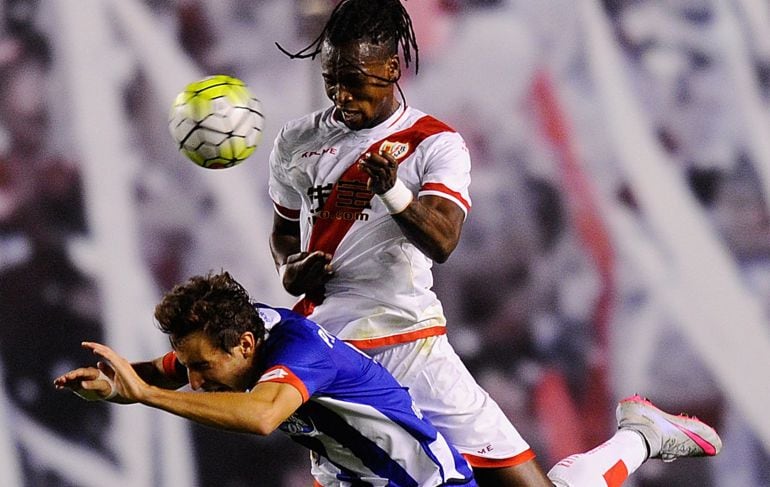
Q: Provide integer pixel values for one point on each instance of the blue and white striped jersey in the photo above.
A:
(355, 414)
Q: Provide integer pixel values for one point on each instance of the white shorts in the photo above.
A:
(453, 401)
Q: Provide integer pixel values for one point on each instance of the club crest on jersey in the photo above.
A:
(395, 149)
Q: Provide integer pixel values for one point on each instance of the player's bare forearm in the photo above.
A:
(304, 271)
(284, 239)
(433, 224)
(282, 246)
(259, 412)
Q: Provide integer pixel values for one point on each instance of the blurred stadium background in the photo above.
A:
(619, 240)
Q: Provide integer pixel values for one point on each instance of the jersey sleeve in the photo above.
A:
(286, 201)
(302, 359)
(447, 171)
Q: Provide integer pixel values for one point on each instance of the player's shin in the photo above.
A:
(608, 464)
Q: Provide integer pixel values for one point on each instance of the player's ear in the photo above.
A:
(247, 343)
(394, 69)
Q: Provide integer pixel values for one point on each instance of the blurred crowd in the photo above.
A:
(47, 304)
(531, 303)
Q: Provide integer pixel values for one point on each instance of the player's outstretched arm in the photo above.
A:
(259, 411)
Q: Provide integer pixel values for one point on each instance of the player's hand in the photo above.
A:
(382, 170)
(128, 384)
(307, 272)
(87, 382)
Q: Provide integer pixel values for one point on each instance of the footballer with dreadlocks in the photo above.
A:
(367, 194)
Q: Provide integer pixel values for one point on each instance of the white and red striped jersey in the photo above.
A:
(381, 290)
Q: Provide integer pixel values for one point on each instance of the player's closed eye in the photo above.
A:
(352, 81)
(199, 366)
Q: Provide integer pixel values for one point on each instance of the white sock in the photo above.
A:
(608, 464)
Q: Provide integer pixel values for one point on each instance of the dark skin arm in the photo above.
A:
(305, 272)
(431, 223)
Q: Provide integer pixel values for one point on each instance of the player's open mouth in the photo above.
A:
(349, 115)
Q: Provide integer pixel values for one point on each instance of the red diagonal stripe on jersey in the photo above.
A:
(327, 233)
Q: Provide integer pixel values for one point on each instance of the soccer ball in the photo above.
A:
(216, 122)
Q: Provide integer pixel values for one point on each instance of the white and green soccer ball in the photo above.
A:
(216, 122)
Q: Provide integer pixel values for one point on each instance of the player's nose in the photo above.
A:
(196, 380)
(341, 95)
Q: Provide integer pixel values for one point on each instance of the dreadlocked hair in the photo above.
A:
(215, 304)
(381, 22)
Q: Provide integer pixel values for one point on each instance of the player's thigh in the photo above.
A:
(452, 400)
